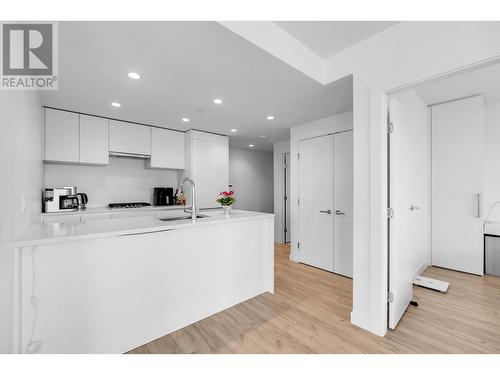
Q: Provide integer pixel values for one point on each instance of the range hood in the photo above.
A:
(128, 155)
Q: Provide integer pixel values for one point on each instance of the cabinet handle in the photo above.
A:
(326, 211)
(338, 212)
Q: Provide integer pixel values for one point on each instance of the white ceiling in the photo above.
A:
(484, 81)
(184, 66)
(326, 38)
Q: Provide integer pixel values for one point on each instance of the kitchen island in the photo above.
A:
(108, 286)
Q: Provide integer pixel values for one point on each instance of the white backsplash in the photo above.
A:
(123, 180)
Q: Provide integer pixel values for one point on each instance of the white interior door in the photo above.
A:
(457, 185)
(287, 195)
(409, 187)
(342, 191)
(316, 202)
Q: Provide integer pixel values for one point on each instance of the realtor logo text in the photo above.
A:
(29, 56)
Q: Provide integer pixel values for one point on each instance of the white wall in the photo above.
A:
(21, 175)
(279, 151)
(401, 55)
(317, 128)
(251, 177)
(123, 180)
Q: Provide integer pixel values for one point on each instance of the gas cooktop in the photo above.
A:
(129, 205)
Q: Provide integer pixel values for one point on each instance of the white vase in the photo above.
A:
(227, 211)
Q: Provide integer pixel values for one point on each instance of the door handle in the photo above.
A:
(338, 212)
(413, 208)
(326, 211)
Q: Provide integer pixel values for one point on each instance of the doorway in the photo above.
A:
(442, 177)
(286, 196)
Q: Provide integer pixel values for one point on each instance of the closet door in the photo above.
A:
(316, 202)
(457, 185)
(342, 202)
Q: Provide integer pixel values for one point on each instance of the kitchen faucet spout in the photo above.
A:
(193, 198)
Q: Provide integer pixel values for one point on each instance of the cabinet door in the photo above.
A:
(210, 170)
(61, 136)
(94, 140)
(167, 149)
(129, 138)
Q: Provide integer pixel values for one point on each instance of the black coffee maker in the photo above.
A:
(163, 196)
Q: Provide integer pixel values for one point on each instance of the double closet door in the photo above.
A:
(325, 202)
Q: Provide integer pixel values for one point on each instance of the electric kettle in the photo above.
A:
(82, 200)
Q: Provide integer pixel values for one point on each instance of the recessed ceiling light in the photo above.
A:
(250, 145)
(263, 136)
(234, 130)
(185, 119)
(116, 104)
(270, 117)
(218, 101)
(134, 75)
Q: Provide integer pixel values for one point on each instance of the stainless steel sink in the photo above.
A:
(184, 217)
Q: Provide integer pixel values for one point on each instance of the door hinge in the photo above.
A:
(390, 213)
(390, 297)
(390, 127)
(298, 156)
(298, 245)
(286, 230)
(285, 198)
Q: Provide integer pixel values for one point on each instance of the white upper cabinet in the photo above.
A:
(76, 138)
(129, 138)
(167, 149)
(94, 140)
(61, 136)
(207, 165)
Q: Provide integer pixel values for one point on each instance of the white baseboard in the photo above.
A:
(421, 268)
(363, 321)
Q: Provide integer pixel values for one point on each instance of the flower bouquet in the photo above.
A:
(226, 199)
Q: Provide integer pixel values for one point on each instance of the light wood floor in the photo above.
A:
(310, 313)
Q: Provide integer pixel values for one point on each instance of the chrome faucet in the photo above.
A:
(193, 199)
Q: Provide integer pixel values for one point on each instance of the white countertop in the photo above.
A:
(106, 210)
(41, 234)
